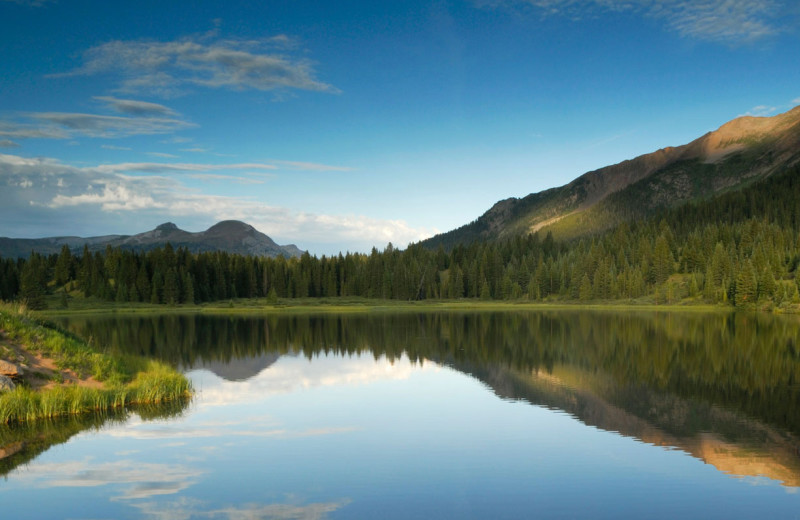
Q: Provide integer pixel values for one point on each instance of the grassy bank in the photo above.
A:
(105, 382)
(362, 305)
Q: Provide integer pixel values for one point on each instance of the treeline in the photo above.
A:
(740, 248)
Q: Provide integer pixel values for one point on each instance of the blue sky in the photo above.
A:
(342, 125)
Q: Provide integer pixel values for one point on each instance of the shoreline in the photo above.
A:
(60, 374)
(346, 305)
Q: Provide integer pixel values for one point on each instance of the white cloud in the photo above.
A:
(112, 197)
(7, 143)
(88, 195)
(167, 68)
(113, 147)
(726, 21)
(136, 108)
(162, 155)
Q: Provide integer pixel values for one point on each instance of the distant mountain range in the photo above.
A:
(736, 155)
(230, 236)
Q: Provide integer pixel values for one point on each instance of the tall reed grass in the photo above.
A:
(127, 380)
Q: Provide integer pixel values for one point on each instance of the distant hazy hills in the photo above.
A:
(739, 153)
(231, 236)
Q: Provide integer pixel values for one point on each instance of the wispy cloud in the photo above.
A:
(309, 166)
(136, 108)
(760, 111)
(152, 167)
(114, 147)
(227, 178)
(68, 125)
(20, 130)
(7, 143)
(93, 125)
(178, 139)
(55, 191)
(32, 3)
(167, 68)
(162, 155)
(725, 21)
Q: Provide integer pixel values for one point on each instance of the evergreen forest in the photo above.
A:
(740, 248)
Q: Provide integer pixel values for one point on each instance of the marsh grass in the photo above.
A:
(127, 380)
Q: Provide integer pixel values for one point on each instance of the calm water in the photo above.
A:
(505, 415)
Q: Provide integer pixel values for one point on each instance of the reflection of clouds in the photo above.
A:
(138, 479)
(279, 511)
(290, 374)
(188, 508)
(246, 427)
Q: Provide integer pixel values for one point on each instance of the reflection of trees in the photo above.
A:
(741, 361)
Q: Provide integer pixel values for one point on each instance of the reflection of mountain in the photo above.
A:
(727, 440)
(720, 386)
(240, 368)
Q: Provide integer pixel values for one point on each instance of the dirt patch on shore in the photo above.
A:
(40, 372)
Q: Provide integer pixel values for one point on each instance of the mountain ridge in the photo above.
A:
(231, 236)
(739, 152)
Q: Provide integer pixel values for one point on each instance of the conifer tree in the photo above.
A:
(746, 286)
(33, 282)
(585, 288)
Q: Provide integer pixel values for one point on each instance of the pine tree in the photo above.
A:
(662, 260)
(187, 295)
(486, 293)
(766, 284)
(33, 282)
(585, 288)
(171, 287)
(746, 286)
(63, 266)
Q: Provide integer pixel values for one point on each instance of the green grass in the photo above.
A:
(127, 380)
(342, 305)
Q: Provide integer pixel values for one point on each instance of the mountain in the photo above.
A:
(231, 236)
(739, 153)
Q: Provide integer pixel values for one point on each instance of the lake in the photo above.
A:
(551, 414)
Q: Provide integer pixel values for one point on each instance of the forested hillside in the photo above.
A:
(738, 154)
(741, 248)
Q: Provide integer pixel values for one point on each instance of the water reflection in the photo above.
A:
(22, 443)
(721, 387)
